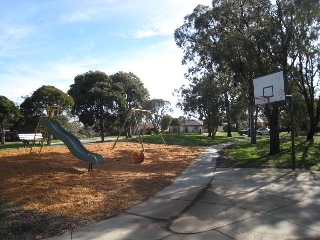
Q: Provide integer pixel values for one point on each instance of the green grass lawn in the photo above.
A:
(189, 139)
(307, 153)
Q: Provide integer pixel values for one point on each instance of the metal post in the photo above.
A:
(125, 121)
(293, 152)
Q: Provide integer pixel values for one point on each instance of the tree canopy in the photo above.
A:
(43, 97)
(97, 99)
(135, 95)
(243, 40)
(9, 114)
(159, 108)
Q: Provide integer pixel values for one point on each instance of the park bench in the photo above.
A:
(27, 137)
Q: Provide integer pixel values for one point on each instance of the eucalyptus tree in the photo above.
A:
(253, 38)
(43, 97)
(203, 99)
(135, 92)
(303, 17)
(159, 108)
(234, 105)
(218, 37)
(165, 122)
(135, 95)
(9, 114)
(98, 100)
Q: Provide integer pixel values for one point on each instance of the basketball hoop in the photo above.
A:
(269, 89)
(261, 100)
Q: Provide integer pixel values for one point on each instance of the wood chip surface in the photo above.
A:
(58, 184)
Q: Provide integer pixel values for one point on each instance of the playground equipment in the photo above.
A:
(138, 157)
(71, 141)
(49, 113)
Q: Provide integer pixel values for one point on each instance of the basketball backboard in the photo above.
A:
(269, 89)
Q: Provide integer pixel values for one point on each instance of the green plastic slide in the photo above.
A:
(71, 141)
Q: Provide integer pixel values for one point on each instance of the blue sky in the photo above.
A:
(49, 42)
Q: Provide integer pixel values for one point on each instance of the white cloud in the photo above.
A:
(84, 11)
(164, 18)
(161, 27)
(19, 32)
(14, 38)
(76, 16)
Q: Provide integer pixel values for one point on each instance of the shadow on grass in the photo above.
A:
(246, 155)
(185, 139)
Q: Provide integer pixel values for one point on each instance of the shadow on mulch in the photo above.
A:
(19, 223)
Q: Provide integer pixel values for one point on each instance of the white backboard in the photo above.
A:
(271, 86)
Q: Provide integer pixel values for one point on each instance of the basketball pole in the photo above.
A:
(293, 151)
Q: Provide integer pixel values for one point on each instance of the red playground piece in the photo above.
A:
(138, 157)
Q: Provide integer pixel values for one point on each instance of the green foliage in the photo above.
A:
(175, 122)
(97, 98)
(43, 97)
(135, 92)
(135, 96)
(9, 114)
(165, 122)
(158, 108)
(242, 40)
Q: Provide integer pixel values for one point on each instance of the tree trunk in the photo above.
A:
(102, 129)
(229, 129)
(49, 138)
(252, 126)
(214, 132)
(312, 128)
(310, 135)
(210, 130)
(130, 133)
(2, 134)
(314, 120)
(213, 127)
(271, 112)
(228, 114)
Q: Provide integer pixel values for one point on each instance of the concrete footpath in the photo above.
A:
(206, 202)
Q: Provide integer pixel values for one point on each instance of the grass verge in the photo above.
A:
(245, 154)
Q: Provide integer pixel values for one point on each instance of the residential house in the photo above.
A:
(191, 126)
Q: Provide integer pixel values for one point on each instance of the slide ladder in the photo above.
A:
(48, 112)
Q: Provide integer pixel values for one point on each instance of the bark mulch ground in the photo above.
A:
(52, 193)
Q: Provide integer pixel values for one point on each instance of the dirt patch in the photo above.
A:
(52, 193)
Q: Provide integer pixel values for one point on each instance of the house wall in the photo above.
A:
(188, 129)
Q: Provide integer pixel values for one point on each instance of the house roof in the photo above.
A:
(192, 123)
(145, 126)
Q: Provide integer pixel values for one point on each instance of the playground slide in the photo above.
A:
(71, 141)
